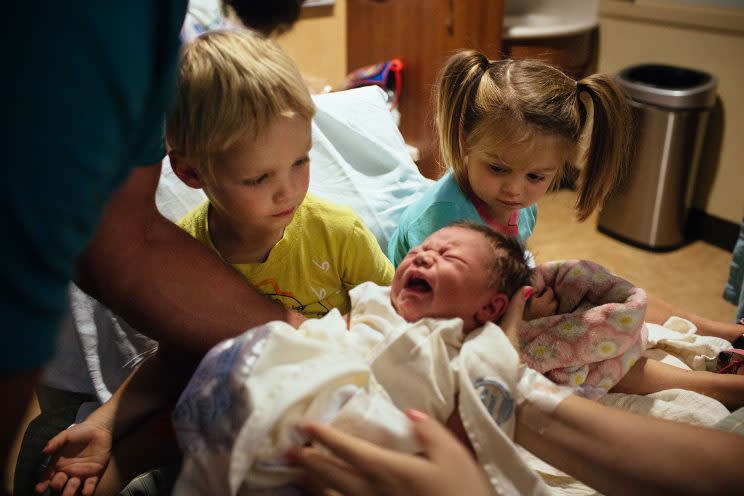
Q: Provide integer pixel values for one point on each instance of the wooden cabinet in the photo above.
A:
(575, 53)
(423, 34)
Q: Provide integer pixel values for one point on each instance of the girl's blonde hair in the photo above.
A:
(495, 104)
(231, 84)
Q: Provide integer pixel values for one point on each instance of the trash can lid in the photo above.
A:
(669, 86)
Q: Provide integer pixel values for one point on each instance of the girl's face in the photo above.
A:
(516, 177)
(260, 182)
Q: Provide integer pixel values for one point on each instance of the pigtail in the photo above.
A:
(454, 93)
(608, 151)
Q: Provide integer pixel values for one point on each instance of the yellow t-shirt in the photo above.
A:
(326, 251)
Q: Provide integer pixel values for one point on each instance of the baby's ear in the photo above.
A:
(185, 172)
(494, 308)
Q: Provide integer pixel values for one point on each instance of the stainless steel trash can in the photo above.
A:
(649, 207)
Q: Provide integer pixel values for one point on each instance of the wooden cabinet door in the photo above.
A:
(423, 34)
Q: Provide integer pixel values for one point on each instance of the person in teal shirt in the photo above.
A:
(88, 85)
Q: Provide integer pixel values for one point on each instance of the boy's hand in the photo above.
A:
(79, 457)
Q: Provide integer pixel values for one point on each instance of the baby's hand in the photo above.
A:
(79, 457)
(541, 305)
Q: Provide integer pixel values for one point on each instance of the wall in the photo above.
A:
(318, 43)
(626, 40)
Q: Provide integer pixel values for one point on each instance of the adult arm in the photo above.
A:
(167, 285)
(617, 452)
(162, 281)
(659, 311)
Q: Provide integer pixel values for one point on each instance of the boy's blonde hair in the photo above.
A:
(491, 105)
(231, 84)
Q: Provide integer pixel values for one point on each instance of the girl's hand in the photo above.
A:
(356, 467)
(79, 457)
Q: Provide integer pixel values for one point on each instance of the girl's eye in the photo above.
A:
(497, 168)
(535, 178)
(256, 180)
(303, 161)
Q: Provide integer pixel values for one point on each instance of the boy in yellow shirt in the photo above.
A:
(240, 129)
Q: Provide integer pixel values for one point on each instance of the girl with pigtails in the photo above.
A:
(507, 131)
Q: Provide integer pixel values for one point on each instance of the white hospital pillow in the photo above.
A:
(359, 159)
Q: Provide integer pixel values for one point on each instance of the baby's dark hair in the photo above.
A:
(508, 267)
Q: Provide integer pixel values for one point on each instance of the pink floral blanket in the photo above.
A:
(597, 332)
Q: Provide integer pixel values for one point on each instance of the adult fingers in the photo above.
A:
(58, 481)
(89, 486)
(512, 319)
(437, 442)
(362, 455)
(331, 472)
(71, 487)
(54, 444)
(42, 486)
(45, 477)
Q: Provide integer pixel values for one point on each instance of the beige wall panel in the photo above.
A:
(627, 42)
(318, 42)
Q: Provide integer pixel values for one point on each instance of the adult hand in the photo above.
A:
(357, 467)
(79, 457)
(543, 304)
(512, 319)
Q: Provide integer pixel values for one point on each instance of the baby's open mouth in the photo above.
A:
(418, 284)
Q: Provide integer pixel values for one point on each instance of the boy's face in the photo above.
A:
(259, 183)
(446, 276)
(518, 176)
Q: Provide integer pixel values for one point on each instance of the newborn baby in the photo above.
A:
(426, 342)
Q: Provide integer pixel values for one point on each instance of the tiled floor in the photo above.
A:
(691, 278)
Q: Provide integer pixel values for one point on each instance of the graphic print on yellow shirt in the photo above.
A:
(326, 250)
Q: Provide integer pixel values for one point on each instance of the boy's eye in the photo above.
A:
(301, 162)
(256, 180)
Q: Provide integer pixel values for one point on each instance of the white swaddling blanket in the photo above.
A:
(237, 416)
